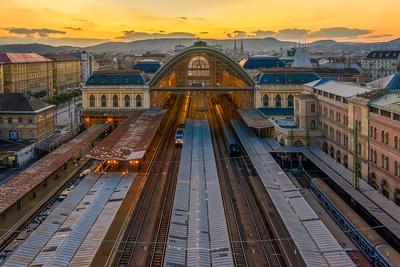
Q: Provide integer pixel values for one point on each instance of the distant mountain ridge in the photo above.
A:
(167, 44)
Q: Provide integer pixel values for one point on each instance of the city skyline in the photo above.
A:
(93, 22)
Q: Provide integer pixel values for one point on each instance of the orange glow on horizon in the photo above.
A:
(88, 22)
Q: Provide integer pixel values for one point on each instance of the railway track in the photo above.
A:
(250, 235)
(148, 228)
(29, 219)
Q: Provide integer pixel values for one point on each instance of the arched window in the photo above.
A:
(387, 138)
(115, 101)
(313, 125)
(92, 101)
(138, 101)
(198, 66)
(290, 101)
(9, 120)
(103, 101)
(396, 142)
(375, 133)
(278, 101)
(382, 136)
(265, 101)
(127, 101)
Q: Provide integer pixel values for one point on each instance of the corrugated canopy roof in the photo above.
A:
(261, 62)
(147, 66)
(254, 118)
(131, 139)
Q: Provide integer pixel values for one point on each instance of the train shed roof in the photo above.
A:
(25, 181)
(131, 139)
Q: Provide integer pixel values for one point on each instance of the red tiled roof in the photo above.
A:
(22, 58)
(60, 57)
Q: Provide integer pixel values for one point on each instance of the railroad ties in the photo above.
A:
(314, 242)
(198, 233)
(73, 232)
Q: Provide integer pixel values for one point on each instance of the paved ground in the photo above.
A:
(68, 114)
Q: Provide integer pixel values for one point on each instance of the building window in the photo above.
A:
(313, 108)
(312, 125)
(1, 120)
(9, 120)
(92, 101)
(265, 101)
(103, 101)
(115, 101)
(382, 137)
(30, 121)
(1, 134)
(30, 134)
(20, 120)
(278, 101)
(387, 138)
(127, 101)
(290, 101)
(138, 101)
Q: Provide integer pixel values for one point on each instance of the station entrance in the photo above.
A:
(203, 73)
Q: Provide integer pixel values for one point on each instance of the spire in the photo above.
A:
(241, 47)
(234, 47)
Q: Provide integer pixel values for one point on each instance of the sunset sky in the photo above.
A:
(87, 22)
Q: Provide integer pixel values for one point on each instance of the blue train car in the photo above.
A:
(373, 246)
(229, 137)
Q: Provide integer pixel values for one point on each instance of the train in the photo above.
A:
(180, 130)
(230, 141)
(373, 246)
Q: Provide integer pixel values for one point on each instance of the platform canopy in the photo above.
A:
(131, 139)
(254, 118)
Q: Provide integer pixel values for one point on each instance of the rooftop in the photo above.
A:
(19, 102)
(388, 82)
(131, 139)
(388, 54)
(61, 57)
(286, 76)
(277, 111)
(22, 58)
(337, 88)
(116, 78)
(148, 66)
(261, 62)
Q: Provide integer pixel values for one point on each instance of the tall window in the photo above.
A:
(265, 101)
(290, 101)
(9, 120)
(278, 101)
(92, 101)
(138, 101)
(127, 101)
(115, 101)
(312, 125)
(103, 101)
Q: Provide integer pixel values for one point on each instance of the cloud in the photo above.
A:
(338, 32)
(377, 36)
(80, 42)
(133, 35)
(73, 28)
(203, 32)
(183, 18)
(237, 34)
(292, 34)
(44, 32)
(262, 33)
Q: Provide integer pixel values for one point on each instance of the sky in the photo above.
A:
(89, 22)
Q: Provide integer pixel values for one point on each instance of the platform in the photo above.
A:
(131, 139)
(313, 240)
(24, 182)
(198, 233)
(73, 232)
